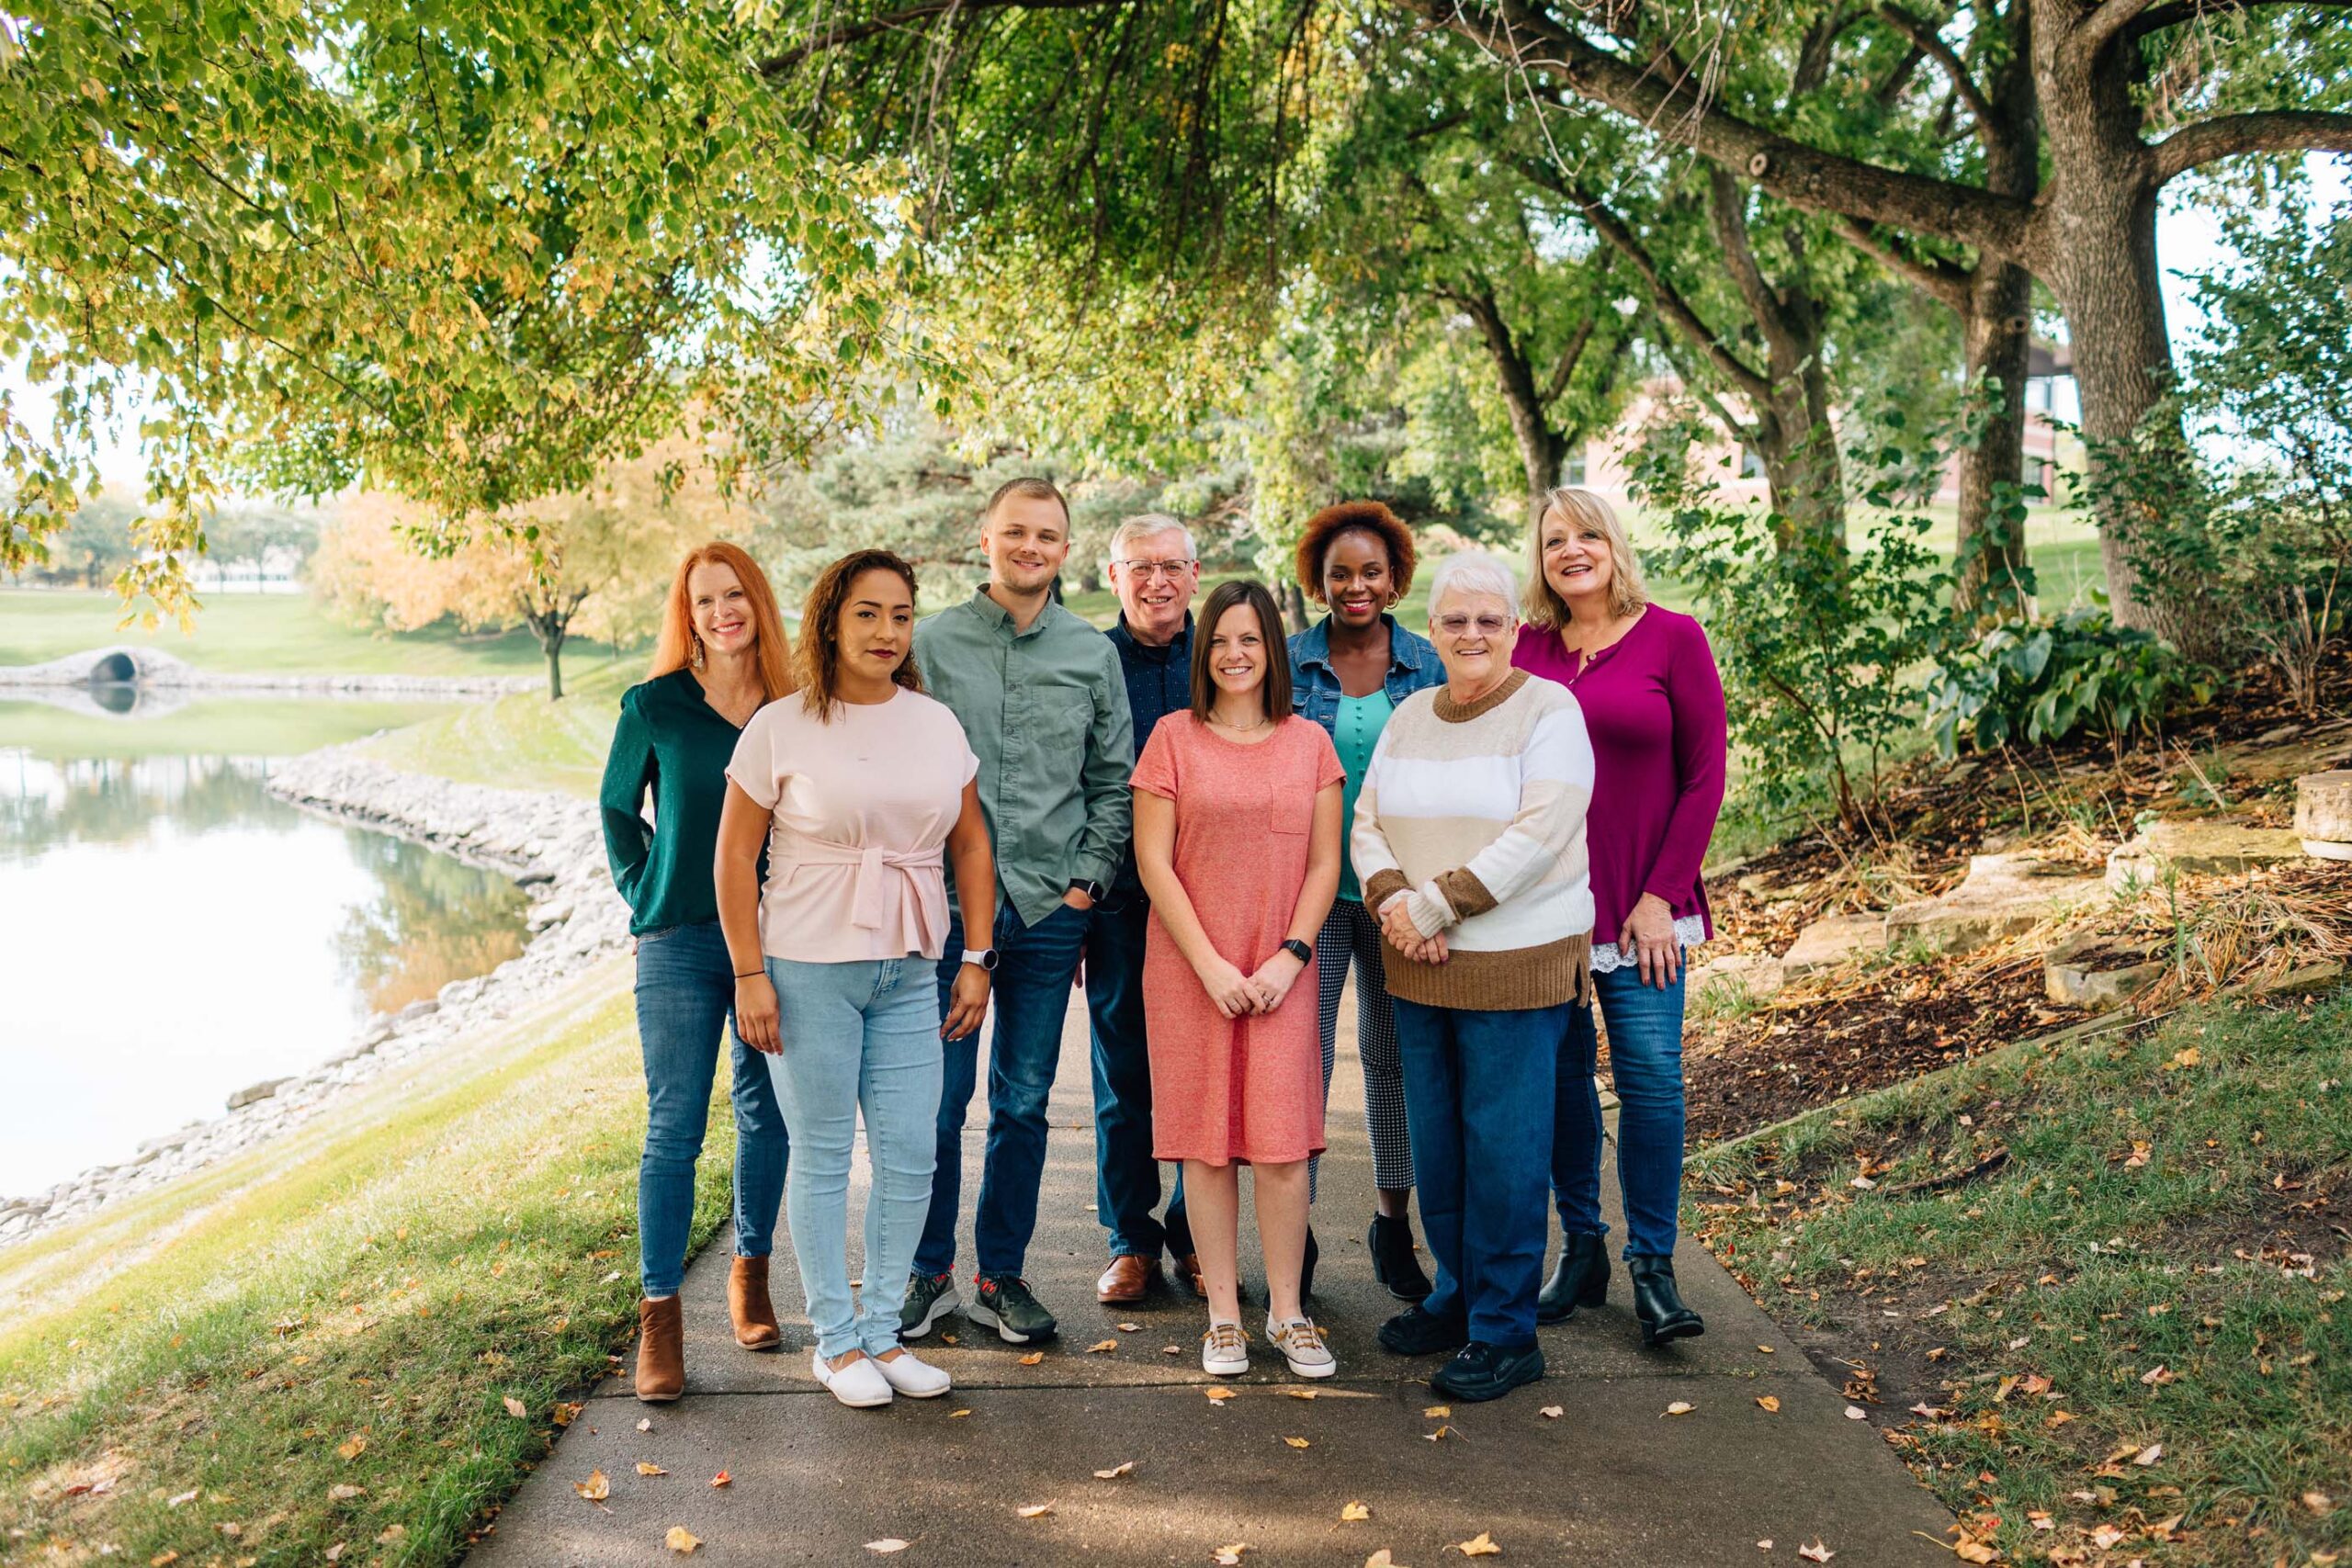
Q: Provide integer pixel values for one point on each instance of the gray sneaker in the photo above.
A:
(1004, 1303)
(1302, 1345)
(930, 1297)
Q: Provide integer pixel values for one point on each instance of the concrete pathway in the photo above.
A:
(1612, 1479)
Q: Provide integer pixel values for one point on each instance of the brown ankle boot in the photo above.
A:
(660, 1350)
(748, 1303)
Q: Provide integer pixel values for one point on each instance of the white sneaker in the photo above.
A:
(916, 1380)
(1302, 1345)
(1225, 1350)
(860, 1385)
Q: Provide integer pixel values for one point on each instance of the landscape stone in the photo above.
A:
(2199, 849)
(1831, 941)
(255, 1093)
(1759, 974)
(2324, 814)
(2072, 982)
(2002, 896)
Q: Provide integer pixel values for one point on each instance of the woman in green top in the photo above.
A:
(722, 657)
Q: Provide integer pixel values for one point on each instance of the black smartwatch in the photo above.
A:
(1298, 950)
(1088, 885)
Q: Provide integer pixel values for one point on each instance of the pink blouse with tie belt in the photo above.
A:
(862, 807)
(1653, 708)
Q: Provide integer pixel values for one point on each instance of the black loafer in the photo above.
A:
(1579, 1279)
(1487, 1372)
(1658, 1305)
(1415, 1332)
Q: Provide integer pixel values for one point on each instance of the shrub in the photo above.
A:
(2041, 679)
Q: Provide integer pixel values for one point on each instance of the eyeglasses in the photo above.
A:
(1156, 568)
(1488, 626)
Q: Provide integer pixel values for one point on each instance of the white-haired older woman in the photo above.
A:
(1469, 836)
(1647, 682)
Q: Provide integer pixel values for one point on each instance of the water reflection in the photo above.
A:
(169, 934)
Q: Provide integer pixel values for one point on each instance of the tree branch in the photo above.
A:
(2104, 26)
(1569, 354)
(1671, 307)
(2157, 18)
(1925, 38)
(1936, 278)
(2271, 131)
(842, 33)
(1727, 209)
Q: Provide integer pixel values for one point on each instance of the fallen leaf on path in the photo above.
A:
(1300, 1392)
(1764, 1545)
(953, 1414)
(1032, 1357)
(1441, 1432)
(1479, 1545)
(947, 1340)
(1770, 1403)
(1218, 1395)
(188, 1497)
(342, 1490)
(1100, 1346)
(1767, 1350)
(2148, 1455)
(1226, 1556)
(1296, 1442)
(1680, 1407)
(516, 1407)
(1034, 1510)
(1126, 1467)
(1169, 1351)
(1353, 1513)
(887, 1545)
(352, 1448)
(1856, 1413)
(1968, 1548)
(1131, 1328)
(1552, 1412)
(596, 1488)
(645, 1469)
(1434, 1411)
(681, 1540)
(646, 1425)
(566, 1413)
(723, 1479)
(1382, 1560)
(1816, 1552)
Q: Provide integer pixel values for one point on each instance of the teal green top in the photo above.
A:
(1045, 711)
(671, 741)
(1355, 730)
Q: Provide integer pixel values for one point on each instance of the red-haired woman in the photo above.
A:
(722, 657)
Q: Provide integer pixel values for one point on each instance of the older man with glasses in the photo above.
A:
(1155, 570)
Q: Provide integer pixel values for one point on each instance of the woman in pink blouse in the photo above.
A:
(1654, 708)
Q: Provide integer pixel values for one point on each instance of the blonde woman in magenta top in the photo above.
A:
(861, 788)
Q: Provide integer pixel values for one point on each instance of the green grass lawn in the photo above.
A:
(2129, 1337)
(311, 1345)
(212, 726)
(521, 740)
(261, 633)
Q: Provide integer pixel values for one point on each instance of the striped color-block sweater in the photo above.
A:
(1475, 816)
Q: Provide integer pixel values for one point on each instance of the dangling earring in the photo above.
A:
(698, 653)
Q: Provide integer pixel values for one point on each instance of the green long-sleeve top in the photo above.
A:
(671, 741)
(1045, 711)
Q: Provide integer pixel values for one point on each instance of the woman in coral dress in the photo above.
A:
(1237, 840)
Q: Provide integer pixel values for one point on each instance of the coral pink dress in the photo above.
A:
(1246, 1089)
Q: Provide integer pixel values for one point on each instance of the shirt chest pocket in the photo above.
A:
(1289, 809)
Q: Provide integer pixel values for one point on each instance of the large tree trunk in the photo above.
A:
(1801, 467)
(1541, 449)
(1996, 328)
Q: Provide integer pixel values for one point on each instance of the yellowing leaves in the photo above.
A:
(1438, 1412)
(1479, 1545)
(1102, 1347)
(1126, 1467)
(723, 1479)
(1680, 1407)
(681, 1540)
(516, 1407)
(353, 1447)
(596, 1488)
(1229, 1556)
(1354, 1513)
(1768, 1404)
(1217, 1396)
(1032, 1357)
(645, 1469)
(1296, 1442)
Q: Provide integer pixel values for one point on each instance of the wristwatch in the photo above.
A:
(1088, 885)
(1298, 950)
(983, 956)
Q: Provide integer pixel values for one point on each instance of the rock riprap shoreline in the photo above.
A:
(551, 844)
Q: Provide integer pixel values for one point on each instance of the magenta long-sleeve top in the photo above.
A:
(1654, 708)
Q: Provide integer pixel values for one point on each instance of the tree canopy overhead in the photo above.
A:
(470, 252)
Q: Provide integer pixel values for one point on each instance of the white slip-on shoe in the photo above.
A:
(860, 1385)
(1225, 1350)
(915, 1378)
(1302, 1345)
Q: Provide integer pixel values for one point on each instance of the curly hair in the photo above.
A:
(1360, 516)
(821, 618)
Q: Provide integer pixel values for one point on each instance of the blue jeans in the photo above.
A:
(1645, 1059)
(1035, 967)
(1126, 1178)
(1478, 1108)
(685, 997)
(857, 1037)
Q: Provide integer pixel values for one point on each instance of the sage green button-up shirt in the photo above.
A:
(1046, 712)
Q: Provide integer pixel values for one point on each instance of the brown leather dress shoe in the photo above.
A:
(1128, 1280)
(1188, 1275)
(660, 1350)
(748, 1303)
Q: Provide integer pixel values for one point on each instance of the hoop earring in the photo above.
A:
(696, 658)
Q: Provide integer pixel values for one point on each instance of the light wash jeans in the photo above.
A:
(1645, 1060)
(685, 997)
(858, 1036)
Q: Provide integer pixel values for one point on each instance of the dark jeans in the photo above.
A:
(1035, 965)
(1645, 1060)
(685, 997)
(1126, 1178)
(1478, 1107)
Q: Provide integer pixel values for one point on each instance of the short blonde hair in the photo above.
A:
(1575, 507)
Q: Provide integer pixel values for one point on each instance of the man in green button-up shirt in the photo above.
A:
(1041, 698)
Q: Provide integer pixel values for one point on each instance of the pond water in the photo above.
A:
(169, 934)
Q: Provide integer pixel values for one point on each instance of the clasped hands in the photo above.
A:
(1398, 928)
(1237, 994)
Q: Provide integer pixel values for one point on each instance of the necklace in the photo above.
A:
(1238, 728)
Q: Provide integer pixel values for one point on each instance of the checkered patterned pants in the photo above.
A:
(1350, 931)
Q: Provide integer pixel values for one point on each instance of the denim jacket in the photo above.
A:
(1314, 685)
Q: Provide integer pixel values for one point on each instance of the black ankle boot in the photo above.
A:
(1393, 1262)
(1579, 1279)
(1658, 1304)
(1306, 1266)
